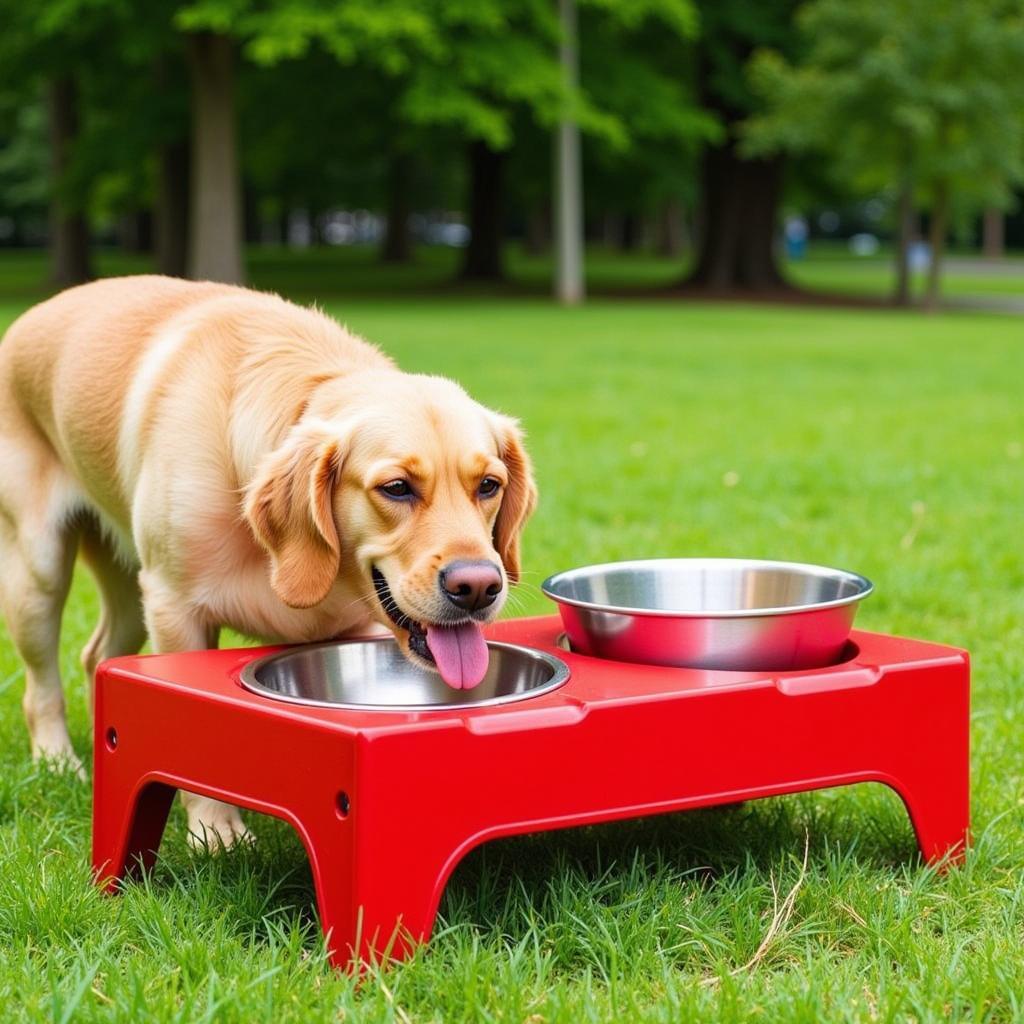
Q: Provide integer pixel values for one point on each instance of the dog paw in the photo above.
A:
(59, 757)
(214, 826)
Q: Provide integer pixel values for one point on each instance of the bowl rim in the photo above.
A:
(863, 584)
(247, 678)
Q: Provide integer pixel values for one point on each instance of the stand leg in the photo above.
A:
(930, 764)
(376, 905)
(329, 848)
(935, 786)
(941, 819)
(396, 895)
(126, 835)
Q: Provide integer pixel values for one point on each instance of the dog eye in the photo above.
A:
(489, 487)
(401, 490)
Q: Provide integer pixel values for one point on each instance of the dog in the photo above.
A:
(222, 457)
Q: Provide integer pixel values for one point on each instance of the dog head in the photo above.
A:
(415, 493)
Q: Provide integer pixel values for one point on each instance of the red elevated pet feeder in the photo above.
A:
(387, 801)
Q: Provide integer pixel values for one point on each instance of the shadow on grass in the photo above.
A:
(508, 886)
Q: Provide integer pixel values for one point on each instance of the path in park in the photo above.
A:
(1013, 304)
(1010, 301)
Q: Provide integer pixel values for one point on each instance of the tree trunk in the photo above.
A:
(215, 250)
(482, 260)
(629, 240)
(937, 243)
(611, 230)
(671, 230)
(135, 231)
(906, 232)
(993, 234)
(250, 216)
(538, 230)
(741, 202)
(171, 212)
(650, 231)
(570, 284)
(397, 246)
(69, 231)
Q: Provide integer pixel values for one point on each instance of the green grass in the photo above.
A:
(889, 443)
(315, 273)
(964, 277)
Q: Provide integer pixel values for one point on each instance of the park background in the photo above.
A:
(750, 274)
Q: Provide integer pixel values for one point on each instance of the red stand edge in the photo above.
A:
(387, 802)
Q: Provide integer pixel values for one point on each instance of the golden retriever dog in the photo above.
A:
(221, 457)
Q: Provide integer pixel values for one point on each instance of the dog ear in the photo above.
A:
(289, 507)
(519, 499)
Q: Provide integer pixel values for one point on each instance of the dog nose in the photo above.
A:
(471, 585)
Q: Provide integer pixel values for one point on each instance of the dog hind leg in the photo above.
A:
(121, 628)
(38, 542)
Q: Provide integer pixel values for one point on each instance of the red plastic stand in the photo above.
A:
(387, 802)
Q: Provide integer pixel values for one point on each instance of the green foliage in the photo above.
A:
(731, 30)
(23, 160)
(385, 33)
(644, 76)
(423, 77)
(467, 64)
(110, 49)
(927, 90)
(328, 92)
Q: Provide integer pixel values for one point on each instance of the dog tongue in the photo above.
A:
(460, 653)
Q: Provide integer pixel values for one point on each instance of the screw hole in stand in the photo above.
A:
(342, 804)
(111, 738)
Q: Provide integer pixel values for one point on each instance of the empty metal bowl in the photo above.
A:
(714, 613)
(375, 675)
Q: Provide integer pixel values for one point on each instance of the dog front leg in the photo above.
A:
(174, 626)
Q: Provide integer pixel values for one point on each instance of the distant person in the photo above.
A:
(795, 233)
(919, 256)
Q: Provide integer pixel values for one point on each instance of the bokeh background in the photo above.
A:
(727, 148)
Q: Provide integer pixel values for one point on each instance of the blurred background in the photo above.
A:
(772, 150)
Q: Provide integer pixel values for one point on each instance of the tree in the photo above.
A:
(511, 62)
(44, 49)
(928, 94)
(397, 247)
(444, 73)
(78, 55)
(171, 187)
(69, 232)
(215, 187)
(133, 152)
(568, 186)
(24, 167)
(740, 192)
(993, 233)
(215, 222)
(532, 79)
(477, 71)
(645, 77)
(373, 34)
(491, 60)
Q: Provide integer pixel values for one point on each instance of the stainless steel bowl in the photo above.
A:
(715, 613)
(375, 675)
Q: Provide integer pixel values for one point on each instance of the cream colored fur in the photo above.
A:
(215, 455)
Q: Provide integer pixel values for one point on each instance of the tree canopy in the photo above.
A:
(119, 118)
(925, 95)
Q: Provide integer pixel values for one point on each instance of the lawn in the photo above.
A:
(315, 273)
(890, 443)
